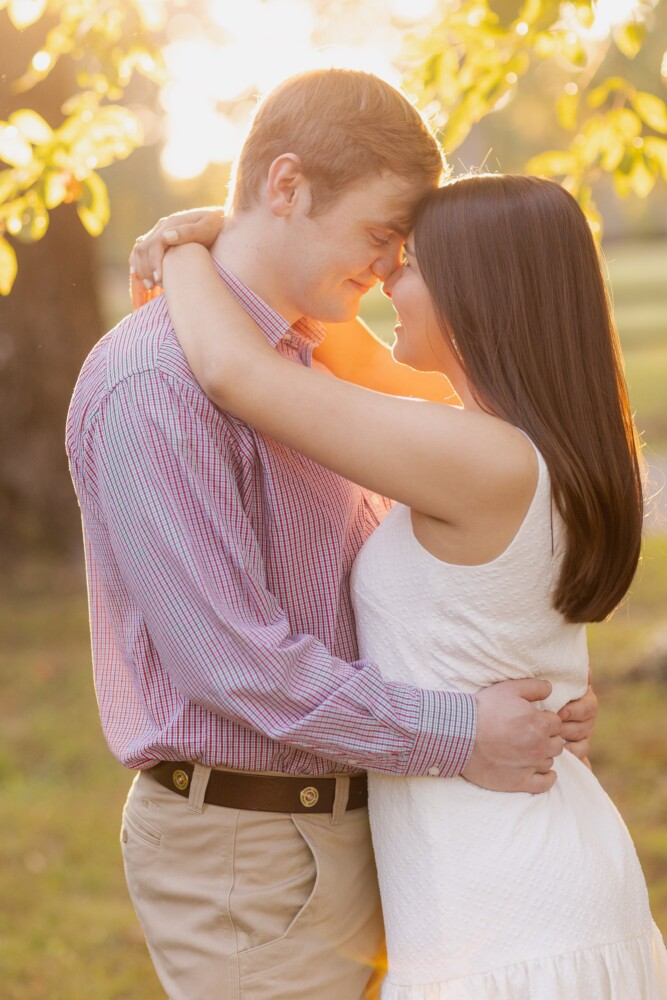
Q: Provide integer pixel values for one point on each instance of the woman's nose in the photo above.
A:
(390, 281)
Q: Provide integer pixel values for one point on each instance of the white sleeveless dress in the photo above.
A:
(490, 895)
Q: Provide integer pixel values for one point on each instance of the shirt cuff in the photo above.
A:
(447, 729)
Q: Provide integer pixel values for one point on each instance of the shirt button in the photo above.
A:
(434, 772)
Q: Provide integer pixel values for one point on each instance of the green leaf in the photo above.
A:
(656, 150)
(625, 122)
(14, 150)
(652, 110)
(567, 108)
(530, 11)
(35, 220)
(591, 211)
(585, 14)
(629, 38)
(612, 152)
(554, 163)
(93, 205)
(9, 185)
(573, 50)
(546, 45)
(431, 70)
(55, 186)
(8, 267)
(642, 177)
(112, 133)
(599, 95)
(32, 126)
(635, 175)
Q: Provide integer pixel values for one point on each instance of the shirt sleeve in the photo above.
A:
(164, 474)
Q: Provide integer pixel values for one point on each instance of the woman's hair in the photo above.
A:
(344, 125)
(516, 282)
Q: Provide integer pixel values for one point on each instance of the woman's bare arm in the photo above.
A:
(353, 352)
(438, 459)
(350, 350)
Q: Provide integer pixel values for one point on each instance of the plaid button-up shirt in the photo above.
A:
(218, 566)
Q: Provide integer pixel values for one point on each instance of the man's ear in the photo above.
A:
(286, 185)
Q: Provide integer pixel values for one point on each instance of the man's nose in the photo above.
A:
(390, 280)
(390, 258)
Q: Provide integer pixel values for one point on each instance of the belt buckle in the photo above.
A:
(309, 797)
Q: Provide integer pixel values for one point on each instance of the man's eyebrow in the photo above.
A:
(402, 227)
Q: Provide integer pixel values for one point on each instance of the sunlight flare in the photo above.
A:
(217, 70)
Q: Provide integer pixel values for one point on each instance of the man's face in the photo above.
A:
(337, 255)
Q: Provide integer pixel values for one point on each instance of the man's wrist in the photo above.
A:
(447, 730)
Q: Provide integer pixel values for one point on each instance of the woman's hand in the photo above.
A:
(578, 722)
(201, 225)
(226, 350)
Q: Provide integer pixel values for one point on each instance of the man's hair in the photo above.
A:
(345, 126)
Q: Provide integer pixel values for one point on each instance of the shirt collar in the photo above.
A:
(274, 326)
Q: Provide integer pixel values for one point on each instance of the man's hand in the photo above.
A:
(516, 742)
(202, 225)
(578, 718)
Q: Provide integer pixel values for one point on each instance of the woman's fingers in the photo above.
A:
(573, 731)
(202, 225)
(139, 294)
(580, 749)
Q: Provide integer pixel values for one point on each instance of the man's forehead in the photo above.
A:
(389, 202)
(400, 225)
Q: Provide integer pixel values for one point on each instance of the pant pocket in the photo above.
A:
(275, 879)
(136, 824)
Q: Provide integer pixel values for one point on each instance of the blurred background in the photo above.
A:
(115, 113)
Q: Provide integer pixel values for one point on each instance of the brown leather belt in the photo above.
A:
(262, 792)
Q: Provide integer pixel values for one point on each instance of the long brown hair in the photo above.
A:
(516, 281)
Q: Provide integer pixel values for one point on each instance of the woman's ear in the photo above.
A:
(286, 185)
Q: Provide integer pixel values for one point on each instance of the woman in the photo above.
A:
(518, 520)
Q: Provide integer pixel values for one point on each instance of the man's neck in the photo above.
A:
(243, 248)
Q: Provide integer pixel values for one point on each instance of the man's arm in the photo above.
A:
(189, 557)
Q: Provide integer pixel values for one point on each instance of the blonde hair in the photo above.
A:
(344, 125)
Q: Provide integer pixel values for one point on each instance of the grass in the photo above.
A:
(67, 930)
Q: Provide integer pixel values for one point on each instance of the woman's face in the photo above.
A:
(419, 340)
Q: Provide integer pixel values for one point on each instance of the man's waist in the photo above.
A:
(265, 791)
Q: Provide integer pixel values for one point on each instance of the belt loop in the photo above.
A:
(198, 784)
(341, 796)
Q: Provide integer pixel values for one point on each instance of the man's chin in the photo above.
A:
(336, 312)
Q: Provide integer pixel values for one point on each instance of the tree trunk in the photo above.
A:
(47, 326)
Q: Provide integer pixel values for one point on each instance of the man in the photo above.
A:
(218, 561)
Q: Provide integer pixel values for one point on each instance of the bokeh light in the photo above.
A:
(219, 64)
(611, 13)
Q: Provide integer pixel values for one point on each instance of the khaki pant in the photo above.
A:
(240, 905)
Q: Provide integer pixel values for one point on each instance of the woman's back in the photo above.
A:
(440, 625)
(487, 895)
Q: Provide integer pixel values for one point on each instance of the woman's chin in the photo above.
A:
(400, 355)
